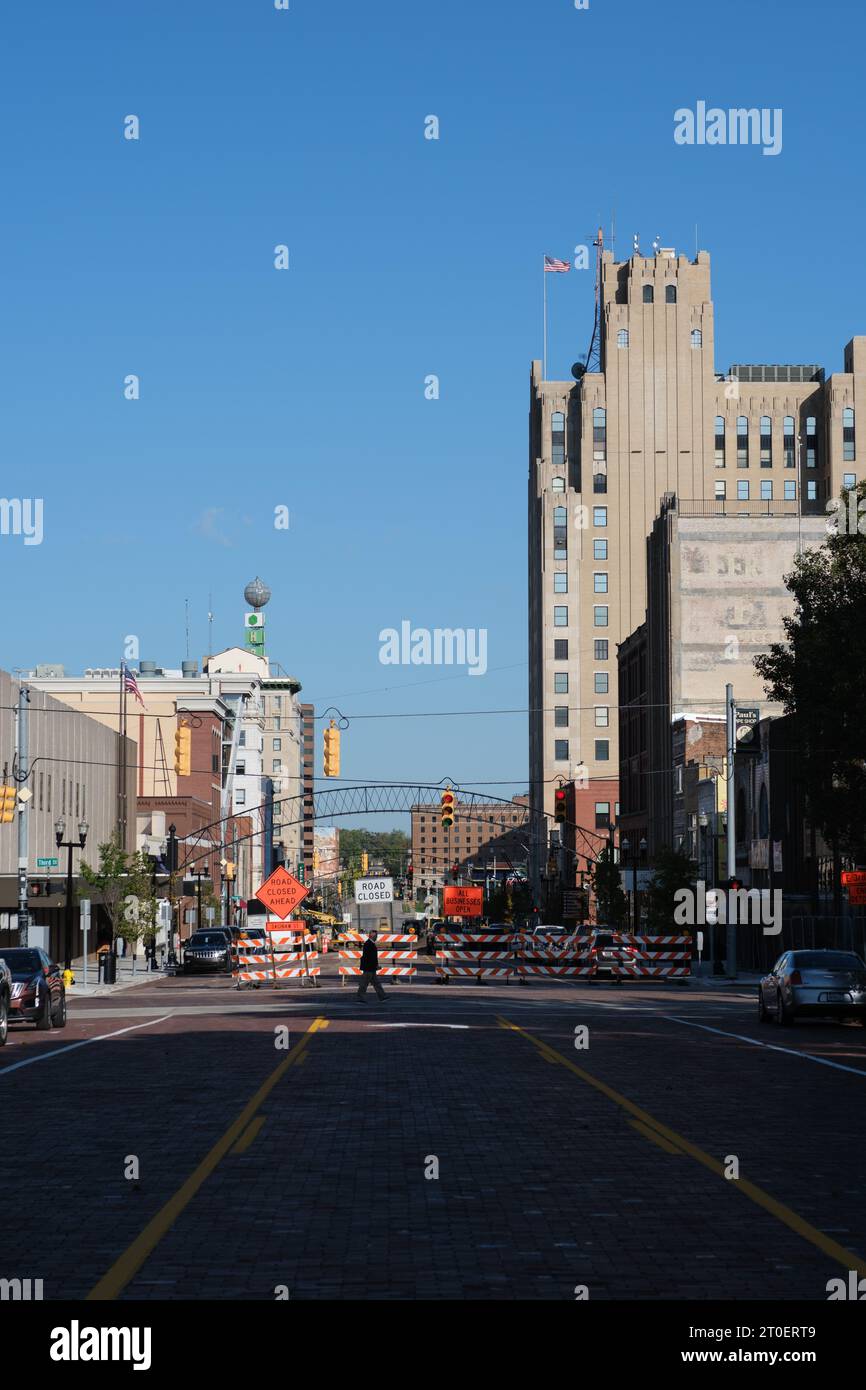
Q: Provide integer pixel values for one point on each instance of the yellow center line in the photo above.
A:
(655, 1138)
(127, 1265)
(248, 1135)
(751, 1190)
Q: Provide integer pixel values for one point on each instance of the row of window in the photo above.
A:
(789, 440)
(78, 807)
(599, 583)
(849, 480)
(560, 716)
(599, 614)
(602, 750)
(599, 649)
(696, 338)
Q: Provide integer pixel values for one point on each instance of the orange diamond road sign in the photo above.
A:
(281, 893)
(463, 902)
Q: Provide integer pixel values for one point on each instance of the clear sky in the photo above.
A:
(408, 257)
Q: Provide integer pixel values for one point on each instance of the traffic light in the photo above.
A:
(8, 799)
(733, 885)
(183, 750)
(230, 869)
(332, 750)
(365, 861)
(447, 810)
(559, 803)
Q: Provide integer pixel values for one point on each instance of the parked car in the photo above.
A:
(207, 950)
(831, 984)
(5, 999)
(38, 994)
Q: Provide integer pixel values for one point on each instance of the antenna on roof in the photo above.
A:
(210, 624)
(635, 244)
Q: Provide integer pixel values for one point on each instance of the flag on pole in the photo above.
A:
(130, 685)
(552, 264)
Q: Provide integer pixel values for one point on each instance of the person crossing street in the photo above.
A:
(369, 968)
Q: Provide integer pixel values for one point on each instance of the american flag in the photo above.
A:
(130, 685)
(551, 263)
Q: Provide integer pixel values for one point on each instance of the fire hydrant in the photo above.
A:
(68, 978)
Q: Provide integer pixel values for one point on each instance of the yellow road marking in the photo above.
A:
(751, 1190)
(249, 1134)
(127, 1265)
(655, 1138)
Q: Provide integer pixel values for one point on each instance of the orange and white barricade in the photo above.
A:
(555, 956)
(251, 961)
(651, 957)
(471, 955)
(396, 960)
(293, 953)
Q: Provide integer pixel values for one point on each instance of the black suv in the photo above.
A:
(207, 950)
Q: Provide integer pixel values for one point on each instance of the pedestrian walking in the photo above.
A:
(369, 967)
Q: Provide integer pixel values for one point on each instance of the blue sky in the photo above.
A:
(408, 257)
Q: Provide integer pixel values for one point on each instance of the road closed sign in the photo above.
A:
(463, 902)
(374, 890)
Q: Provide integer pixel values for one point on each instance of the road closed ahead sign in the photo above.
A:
(374, 890)
(281, 893)
(463, 902)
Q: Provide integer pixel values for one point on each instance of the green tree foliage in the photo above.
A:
(672, 870)
(389, 847)
(612, 901)
(819, 676)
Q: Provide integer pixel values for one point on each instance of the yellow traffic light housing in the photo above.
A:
(8, 801)
(332, 750)
(447, 810)
(183, 750)
(365, 861)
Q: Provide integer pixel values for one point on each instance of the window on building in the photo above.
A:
(697, 338)
(560, 649)
(599, 516)
(557, 438)
(599, 582)
(602, 682)
(560, 582)
(560, 716)
(602, 750)
(560, 615)
(559, 484)
(721, 490)
(278, 745)
(602, 716)
(743, 490)
(278, 723)
(766, 490)
(742, 441)
(48, 798)
(40, 789)
(720, 441)
(242, 739)
(766, 442)
(240, 796)
(670, 294)
(63, 800)
(848, 453)
(790, 490)
(648, 294)
(811, 491)
(602, 815)
(278, 764)
(240, 769)
(560, 750)
(849, 479)
(599, 482)
(599, 649)
(560, 682)
(599, 550)
(789, 442)
(599, 615)
(811, 441)
(622, 338)
(560, 516)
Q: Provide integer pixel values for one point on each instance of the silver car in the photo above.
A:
(829, 984)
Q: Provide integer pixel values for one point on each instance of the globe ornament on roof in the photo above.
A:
(257, 594)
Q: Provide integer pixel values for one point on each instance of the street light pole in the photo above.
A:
(69, 846)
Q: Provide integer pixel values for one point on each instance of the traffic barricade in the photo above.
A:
(397, 960)
(293, 953)
(467, 954)
(651, 957)
(251, 961)
(555, 956)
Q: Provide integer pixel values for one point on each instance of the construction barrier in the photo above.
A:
(284, 954)
(251, 961)
(399, 962)
(640, 956)
(470, 955)
(555, 956)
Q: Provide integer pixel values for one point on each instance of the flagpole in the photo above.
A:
(544, 356)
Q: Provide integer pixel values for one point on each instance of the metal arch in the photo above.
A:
(373, 799)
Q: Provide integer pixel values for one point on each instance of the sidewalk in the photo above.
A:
(125, 977)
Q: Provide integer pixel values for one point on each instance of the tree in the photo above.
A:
(819, 676)
(607, 887)
(673, 870)
(111, 881)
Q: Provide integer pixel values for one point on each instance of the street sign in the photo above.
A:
(46, 863)
(853, 876)
(281, 893)
(463, 902)
(374, 890)
(746, 730)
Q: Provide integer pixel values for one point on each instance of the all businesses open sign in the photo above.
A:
(463, 902)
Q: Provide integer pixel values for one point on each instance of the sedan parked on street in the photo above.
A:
(38, 991)
(207, 950)
(829, 984)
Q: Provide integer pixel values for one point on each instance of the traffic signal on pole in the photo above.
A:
(559, 800)
(332, 750)
(230, 870)
(183, 750)
(365, 861)
(447, 810)
(8, 799)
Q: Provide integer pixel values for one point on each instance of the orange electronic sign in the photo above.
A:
(462, 902)
(281, 893)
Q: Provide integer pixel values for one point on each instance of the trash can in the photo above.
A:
(108, 968)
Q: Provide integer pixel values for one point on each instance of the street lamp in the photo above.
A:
(639, 850)
(70, 845)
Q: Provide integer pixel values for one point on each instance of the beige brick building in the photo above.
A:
(768, 440)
